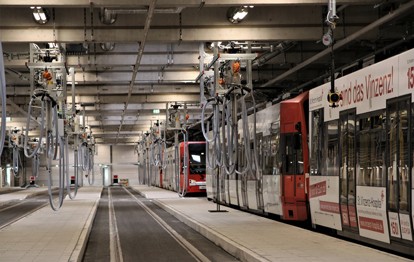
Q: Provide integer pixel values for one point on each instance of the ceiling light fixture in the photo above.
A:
(237, 14)
(40, 14)
(107, 46)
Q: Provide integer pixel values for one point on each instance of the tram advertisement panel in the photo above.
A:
(367, 89)
(400, 225)
(317, 97)
(324, 202)
(372, 216)
(406, 72)
(405, 225)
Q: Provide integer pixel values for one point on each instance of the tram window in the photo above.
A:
(398, 155)
(252, 175)
(331, 153)
(412, 146)
(371, 150)
(275, 153)
(268, 155)
(392, 164)
(197, 153)
(378, 148)
(259, 150)
(197, 158)
(317, 143)
(272, 164)
(351, 156)
(364, 167)
(404, 158)
(348, 126)
(293, 155)
(297, 141)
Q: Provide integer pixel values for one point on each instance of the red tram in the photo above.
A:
(279, 185)
(190, 165)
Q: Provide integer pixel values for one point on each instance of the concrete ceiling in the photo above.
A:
(155, 59)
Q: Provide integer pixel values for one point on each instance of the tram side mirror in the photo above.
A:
(296, 141)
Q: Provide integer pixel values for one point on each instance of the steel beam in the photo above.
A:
(170, 3)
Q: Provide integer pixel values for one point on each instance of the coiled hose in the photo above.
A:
(51, 147)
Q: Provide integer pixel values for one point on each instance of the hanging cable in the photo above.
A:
(213, 102)
(208, 159)
(48, 108)
(228, 131)
(58, 205)
(35, 165)
(16, 158)
(16, 161)
(183, 191)
(91, 171)
(255, 163)
(42, 126)
(64, 168)
(85, 157)
(216, 157)
(3, 101)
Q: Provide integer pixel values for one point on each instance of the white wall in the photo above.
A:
(102, 158)
(123, 163)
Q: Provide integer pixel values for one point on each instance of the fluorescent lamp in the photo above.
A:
(218, 44)
(237, 14)
(43, 16)
(40, 14)
(155, 111)
(36, 16)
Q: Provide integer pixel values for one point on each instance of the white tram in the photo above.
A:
(362, 155)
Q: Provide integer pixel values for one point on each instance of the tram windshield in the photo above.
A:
(197, 157)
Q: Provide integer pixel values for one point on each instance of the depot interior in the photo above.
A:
(120, 71)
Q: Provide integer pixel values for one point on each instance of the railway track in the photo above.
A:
(15, 210)
(129, 227)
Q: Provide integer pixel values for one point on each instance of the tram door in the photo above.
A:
(398, 167)
(347, 185)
